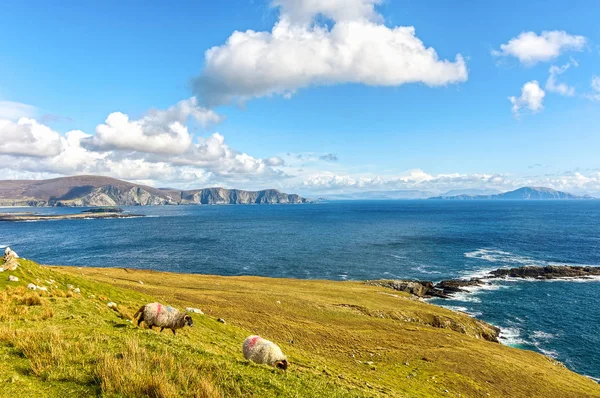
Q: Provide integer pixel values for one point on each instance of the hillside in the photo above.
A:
(343, 339)
(525, 193)
(105, 191)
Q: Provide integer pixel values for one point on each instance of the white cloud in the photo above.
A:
(15, 110)
(595, 95)
(530, 48)
(27, 137)
(299, 52)
(552, 84)
(159, 131)
(532, 97)
(158, 147)
(412, 179)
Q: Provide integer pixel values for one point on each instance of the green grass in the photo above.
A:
(343, 339)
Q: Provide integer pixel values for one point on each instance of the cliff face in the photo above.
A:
(103, 191)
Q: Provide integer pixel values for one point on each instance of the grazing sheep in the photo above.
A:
(162, 316)
(263, 351)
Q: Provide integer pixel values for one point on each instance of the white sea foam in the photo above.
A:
(596, 379)
(511, 336)
(510, 260)
(540, 335)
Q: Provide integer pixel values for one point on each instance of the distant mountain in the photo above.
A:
(525, 193)
(105, 191)
(381, 195)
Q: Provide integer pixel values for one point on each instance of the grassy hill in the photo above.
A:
(343, 339)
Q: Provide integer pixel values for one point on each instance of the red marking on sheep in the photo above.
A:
(159, 308)
(252, 341)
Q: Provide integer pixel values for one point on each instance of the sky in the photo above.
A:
(309, 96)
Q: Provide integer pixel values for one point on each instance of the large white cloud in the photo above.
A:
(159, 131)
(299, 52)
(554, 86)
(532, 98)
(531, 48)
(156, 148)
(27, 137)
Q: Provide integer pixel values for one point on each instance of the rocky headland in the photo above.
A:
(105, 191)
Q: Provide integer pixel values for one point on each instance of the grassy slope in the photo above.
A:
(348, 340)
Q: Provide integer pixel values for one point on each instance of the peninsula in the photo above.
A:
(106, 191)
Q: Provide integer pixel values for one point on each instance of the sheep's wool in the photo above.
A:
(162, 315)
(262, 351)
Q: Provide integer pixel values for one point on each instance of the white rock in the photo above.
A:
(32, 286)
(43, 288)
(12, 278)
(194, 310)
(69, 287)
(112, 305)
(140, 282)
(76, 290)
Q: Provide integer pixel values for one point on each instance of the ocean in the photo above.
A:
(357, 240)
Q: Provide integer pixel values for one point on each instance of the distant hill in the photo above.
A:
(106, 191)
(525, 193)
(381, 195)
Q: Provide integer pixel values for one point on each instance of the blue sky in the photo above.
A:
(288, 111)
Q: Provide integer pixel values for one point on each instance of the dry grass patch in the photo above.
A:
(139, 373)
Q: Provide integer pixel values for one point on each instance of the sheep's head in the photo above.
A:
(282, 364)
(188, 320)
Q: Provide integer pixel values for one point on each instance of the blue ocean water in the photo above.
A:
(430, 240)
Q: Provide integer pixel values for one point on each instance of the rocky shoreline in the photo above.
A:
(446, 288)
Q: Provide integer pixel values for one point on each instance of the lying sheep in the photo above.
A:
(164, 317)
(263, 351)
(11, 261)
(9, 253)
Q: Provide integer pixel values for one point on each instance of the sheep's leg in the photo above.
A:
(173, 330)
(141, 319)
(161, 329)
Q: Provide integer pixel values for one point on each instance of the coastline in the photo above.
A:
(339, 336)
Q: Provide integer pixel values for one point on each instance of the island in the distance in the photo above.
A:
(104, 191)
(525, 193)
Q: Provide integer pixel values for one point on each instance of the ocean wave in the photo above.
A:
(465, 297)
(501, 256)
(511, 336)
(423, 269)
(596, 379)
(540, 335)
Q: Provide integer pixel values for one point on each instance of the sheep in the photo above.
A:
(11, 261)
(263, 351)
(9, 253)
(164, 317)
